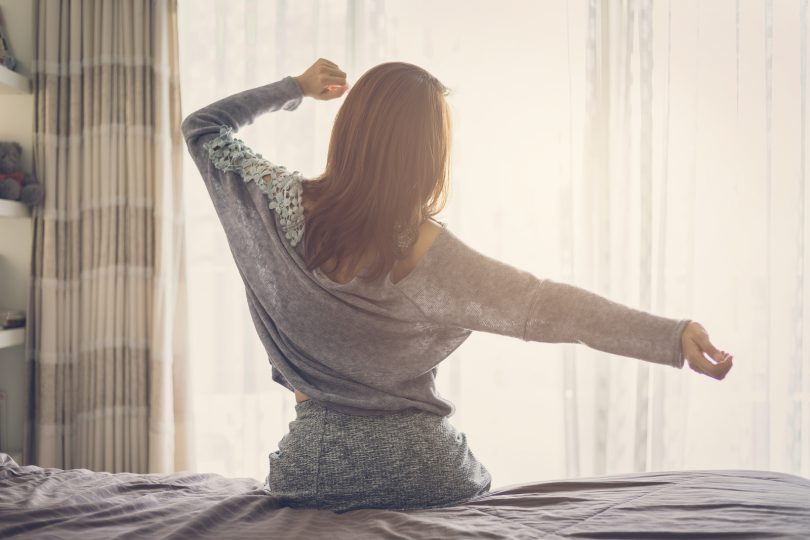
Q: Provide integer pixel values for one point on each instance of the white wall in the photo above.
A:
(16, 124)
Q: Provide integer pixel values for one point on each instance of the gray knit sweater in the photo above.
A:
(374, 348)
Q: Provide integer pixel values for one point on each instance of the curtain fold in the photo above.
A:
(106, 358)
(694, 156)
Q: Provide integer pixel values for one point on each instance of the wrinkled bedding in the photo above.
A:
(53, 503)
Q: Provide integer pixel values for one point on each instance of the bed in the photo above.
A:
(40, 502)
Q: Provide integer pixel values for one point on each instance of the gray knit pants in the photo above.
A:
(401, 461)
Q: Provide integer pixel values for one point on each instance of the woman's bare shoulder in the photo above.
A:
(429, 230)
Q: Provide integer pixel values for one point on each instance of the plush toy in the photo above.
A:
(16, 185)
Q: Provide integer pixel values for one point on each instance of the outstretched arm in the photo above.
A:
(244, 185)
(456, 285)
(249, 192)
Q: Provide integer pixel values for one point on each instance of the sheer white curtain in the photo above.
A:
(652, 153)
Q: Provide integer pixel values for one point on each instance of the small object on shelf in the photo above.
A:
(12, 319)
(10, 186)
(6, 57)
(14, 183)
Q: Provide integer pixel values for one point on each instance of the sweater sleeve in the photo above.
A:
(243, 185)
(458, 286)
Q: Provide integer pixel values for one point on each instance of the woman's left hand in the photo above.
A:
(323, 80)
(695, 344)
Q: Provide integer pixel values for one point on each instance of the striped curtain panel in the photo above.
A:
(106, 354)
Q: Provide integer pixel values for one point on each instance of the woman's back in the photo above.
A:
(428, 231)
(374, 347)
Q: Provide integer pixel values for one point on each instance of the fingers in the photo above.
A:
(328, 74)
(723, 368)
(334, 91)
(696, 347)
(332, 80)
(707, 346)
(331, 69)
(338, 88)
(327, 62)
(702, 365)
(334, 70)
(324, 80)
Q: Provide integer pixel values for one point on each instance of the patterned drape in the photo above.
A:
(106, 349)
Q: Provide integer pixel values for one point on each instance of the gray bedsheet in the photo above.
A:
(78, 503)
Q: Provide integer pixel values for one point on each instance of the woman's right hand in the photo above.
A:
(323, 80)
(694, 343)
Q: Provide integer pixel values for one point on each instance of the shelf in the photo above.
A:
(12, 82)
(14, 209)
(11, 337)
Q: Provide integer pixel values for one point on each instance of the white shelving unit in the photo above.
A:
(17, 116)
(12, 82)
(12, 337)
(13, 209)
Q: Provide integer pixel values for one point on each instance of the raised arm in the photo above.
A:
(323, 80)
(239, 110)
(243, 185)
(456, 285)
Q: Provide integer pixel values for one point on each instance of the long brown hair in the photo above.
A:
(388, 168)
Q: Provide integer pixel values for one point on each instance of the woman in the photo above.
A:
(358, 293)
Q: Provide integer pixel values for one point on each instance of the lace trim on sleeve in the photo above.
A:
(284, 188)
